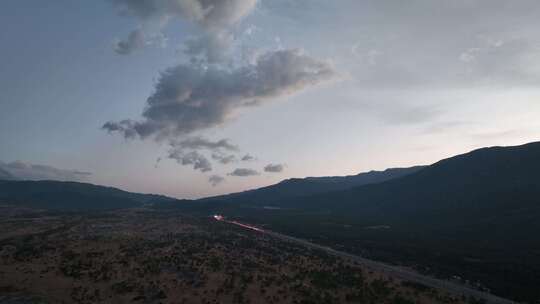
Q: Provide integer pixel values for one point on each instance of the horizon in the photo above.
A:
(270, 151)
(289, 178)
(192, 102)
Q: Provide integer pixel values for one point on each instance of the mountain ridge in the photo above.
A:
(294, 187)
(475, 215)
(48, 194)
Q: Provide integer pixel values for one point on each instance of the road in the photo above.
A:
(393, 271)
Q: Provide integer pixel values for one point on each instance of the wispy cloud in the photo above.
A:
(26, 171)
(248, 157)
(215, 180)
(274, 168)
(244, 172)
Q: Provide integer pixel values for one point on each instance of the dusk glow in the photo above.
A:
(169, 101)
(270, 151)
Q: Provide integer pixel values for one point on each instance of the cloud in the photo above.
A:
(224, 159)
(126, 127)
(420, 47)
(190, 98)
(243, 172)
(25, 171)
(215, 180)
(135, 40)
(247, 157)
(193, 158)
(509, 61)
(199, 143)
(209, 14)
(212, 48)
(213, 17)
(274, 168)
(188, 152)
(210, 88)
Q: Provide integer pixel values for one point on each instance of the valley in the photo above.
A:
(148, 256)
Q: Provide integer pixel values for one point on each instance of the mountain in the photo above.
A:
(296, 187)
(478, 185)
(474, 216)
(72, 196)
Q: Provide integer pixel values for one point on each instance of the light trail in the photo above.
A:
(403, 274)
(220, 218)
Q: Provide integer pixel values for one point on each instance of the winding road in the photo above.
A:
(396, 272)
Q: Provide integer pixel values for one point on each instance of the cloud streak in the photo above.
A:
(224, 159)
(247, 157)
(19, 170)
(274, 168)
(199, 143)
(244, 172)
(215, 180)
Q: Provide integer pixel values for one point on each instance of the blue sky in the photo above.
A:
(397, 86)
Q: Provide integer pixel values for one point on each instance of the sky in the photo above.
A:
(193, 98)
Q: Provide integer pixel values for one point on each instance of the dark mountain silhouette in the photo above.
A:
(475, 216)
(295, 187)
(71, 196)
(479, 185)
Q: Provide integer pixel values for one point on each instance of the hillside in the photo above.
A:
(295, 187)
(474, 216)
(71, 196)
(483, 183)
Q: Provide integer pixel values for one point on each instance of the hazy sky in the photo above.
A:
(191, 98)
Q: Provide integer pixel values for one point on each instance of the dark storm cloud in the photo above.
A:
(193, 158)
(25, 171)
(244, 172)
(274, 168)
(190, 98)
(215, 180)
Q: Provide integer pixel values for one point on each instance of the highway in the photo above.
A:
(393, 271)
